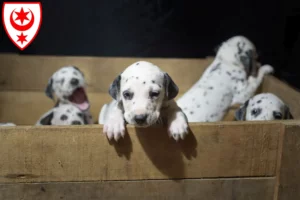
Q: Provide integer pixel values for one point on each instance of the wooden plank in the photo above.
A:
(289, 177)
(82, 153)
(34, 71)
(16, 106)
(288, 94)
(223, 189)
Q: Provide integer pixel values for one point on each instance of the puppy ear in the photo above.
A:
(46, 120)
(287, 113)
(247, 61)
(240, 114)
(49, 89)
(114, 88)
(170, 87)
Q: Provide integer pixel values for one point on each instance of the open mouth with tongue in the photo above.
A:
(79, 98)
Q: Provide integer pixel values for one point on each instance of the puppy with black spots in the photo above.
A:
(232, 78)
(63, 114)
(68, 85)
(265, 106)
(143, 95)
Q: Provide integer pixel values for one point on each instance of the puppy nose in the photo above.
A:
(74, 81)
(140, 119)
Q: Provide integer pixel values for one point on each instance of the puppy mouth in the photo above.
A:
(80, 99)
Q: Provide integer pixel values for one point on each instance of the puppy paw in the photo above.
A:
(266, 69)
(114, 128)
(178, 128)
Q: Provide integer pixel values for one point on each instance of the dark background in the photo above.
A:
(168, 28)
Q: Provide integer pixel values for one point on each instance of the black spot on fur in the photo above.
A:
(68, 111)
(126, 80)
(137, 77)
(240, 50)
(198, 106)
(133, 102)
(191, 112)
(205, 93)
(207, 102)
(65, 97)
(211, 116)
(76, 122)
(255, 112)
(63, 72)
(216, 67)
(144, 82)
(75, 73)
(235, 88)
(63, 117)
(259, 101)
(234, 70)
(185, 108)
(229, 74)
(240, 71)
(193, 99)
(80, 115)
(62, 81)
(159, 86)
(137, 63)
(153, 81)
(210, 88)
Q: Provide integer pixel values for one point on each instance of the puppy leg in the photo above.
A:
(247, 90)
(114, 125)
(177, 121)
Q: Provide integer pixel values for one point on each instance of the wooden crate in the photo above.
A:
(225, 160)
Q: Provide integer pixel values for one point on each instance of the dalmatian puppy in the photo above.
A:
(68, 84)
(265, 106)
(7, 124)
(63, 114)
(143, 95)
(232, 78)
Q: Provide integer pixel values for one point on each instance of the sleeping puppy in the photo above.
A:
(265, 106)
(143, 95)
(232, 78)
(68, 84)
(63, 114)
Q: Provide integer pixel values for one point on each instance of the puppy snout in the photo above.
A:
(140, 119)
(74, 81)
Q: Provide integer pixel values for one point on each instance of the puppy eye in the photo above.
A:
(127, 95)
(153, 94)
(277, 115)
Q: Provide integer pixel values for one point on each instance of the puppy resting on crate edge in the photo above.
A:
(143, 95)
(68, 85)
(63, 114)
(265, 106)
(232, 78)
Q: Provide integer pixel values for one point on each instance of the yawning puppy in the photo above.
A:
(265, 106)
(63, 114)
(68, 84)
(143, 95)
(231, 79)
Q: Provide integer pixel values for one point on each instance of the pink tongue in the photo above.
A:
(83, 106)
(80, 99)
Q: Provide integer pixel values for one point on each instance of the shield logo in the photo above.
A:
(22, 21)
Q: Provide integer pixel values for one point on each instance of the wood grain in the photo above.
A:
(82, 153)
(32, 72)
(223, 189)
(289, 177)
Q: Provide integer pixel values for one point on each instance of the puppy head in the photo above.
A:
(68, 84)
(264, 106)
(239, 51)
(64, 114)
(141, 90)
